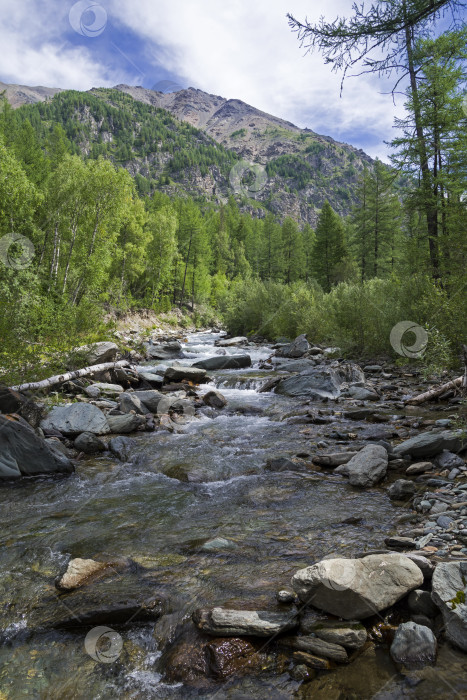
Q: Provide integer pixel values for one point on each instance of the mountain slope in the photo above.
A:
(299, 169)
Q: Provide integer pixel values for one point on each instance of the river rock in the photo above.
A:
(179, 373)
(23, 453)
(368, 466)
(97, 353)
(401, 490)
(224, 362)
(357, 588)
(351, 635)
(89, 443)
(233, 623)
(76, 418)
(121, 447)
(215, 399)
(362, 393)
(302, 657)
(295, 349)
(128, 402)
(150, 399)
(151, 378)
(425, 565)
(321, 382)
(164, 351)
(232, 656)
(10, 401)
(448, 460)
(280, 464)
(449, 590)
(421, 603)
(230, 342)
(78, 573)
(419, 468)
(127, 423)
(103, 389)
(432, 443)
(315, 645)
(414, 645)
(331, 461)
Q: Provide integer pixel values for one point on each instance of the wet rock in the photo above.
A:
(232, 623)
(218, 544)
(414, 645)
(357, 588)
(185, 662)
(319, 382)
(80, 572)
(128, 402)
(76, 418)
(358, 413)
(178, 373)
(127, 423)
(362, 393)
(302, 657)
(226, 362)
(421, 603)
(230, 342)
(419, 468)
(315, 645)
(23, 453)
(186, 473)
(122, 447)
(400, 542)
(368, 466)
(351, 635)
(280, 464)
(449, 590)
(97, 353)
(331, 461)
(215, 399)
(302, 673)
(150, 399)
(296, 349)
(232, 656)
(285, 597)
(89, 443)
(269, 385)
(401, 490)
(448, 460)
(429, 444)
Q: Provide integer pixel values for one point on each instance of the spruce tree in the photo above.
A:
(329, 249)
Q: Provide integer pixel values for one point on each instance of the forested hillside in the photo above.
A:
(96, 215)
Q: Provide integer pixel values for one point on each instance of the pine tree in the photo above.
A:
(329, 249)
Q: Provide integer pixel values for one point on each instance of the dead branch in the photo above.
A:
(60, 378)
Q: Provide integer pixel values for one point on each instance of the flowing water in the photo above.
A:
(270, 525)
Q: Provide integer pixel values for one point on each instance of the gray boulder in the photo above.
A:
(449, 590)
(76, 418)
(448, 460)
(127, 423)
(178, 373)
(230, 342)
(89, 443)
(368, 466)
(222, 622)
(215, 399)
(224, 362)
(128, 402)
(421, 603)
(121, 447)
(315, 645)
(432, 443)
(351, 635)
(23, 453)
(401, 489)
(362, 393)
(357, 588)
(152, 379)
(295, 349)
(10, 401)
(414, 645)
(165, 351)
(98, 353)
(102, 389)
(150, 399)
(321, 382)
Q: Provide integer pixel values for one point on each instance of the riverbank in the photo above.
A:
(219, 507)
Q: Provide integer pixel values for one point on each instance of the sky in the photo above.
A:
(239, 49)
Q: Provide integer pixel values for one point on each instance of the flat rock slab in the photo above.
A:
(449, 593)
(351, 635)
(331, 461)
(432, 443)
(232, 623)
(76, 418)
(315, 645)
(23, 453)
(414, 645)
(323, 382)
(179, 373)
(224, 362)
(357, 588)
(230, 342)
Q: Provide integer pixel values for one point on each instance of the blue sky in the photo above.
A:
(240, 49)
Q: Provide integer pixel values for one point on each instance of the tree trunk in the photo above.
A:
(60, 378)
(437, 391)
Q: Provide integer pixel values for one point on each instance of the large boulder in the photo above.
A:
(23, 453)
(449, 591)
(150, 399)
(296, 349)
(224, 362)
(128, 402)
(165, 351)
(432, 443)
(321, 382)
(230, 342)
(215, 399)
(222, 622)
(368, 466)
(414, 645)
(179, 373)
(76, 418)
(357, 588)
(98, 353)
(89, 443)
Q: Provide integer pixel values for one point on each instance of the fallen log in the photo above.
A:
(60, 378)
(434, 393)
